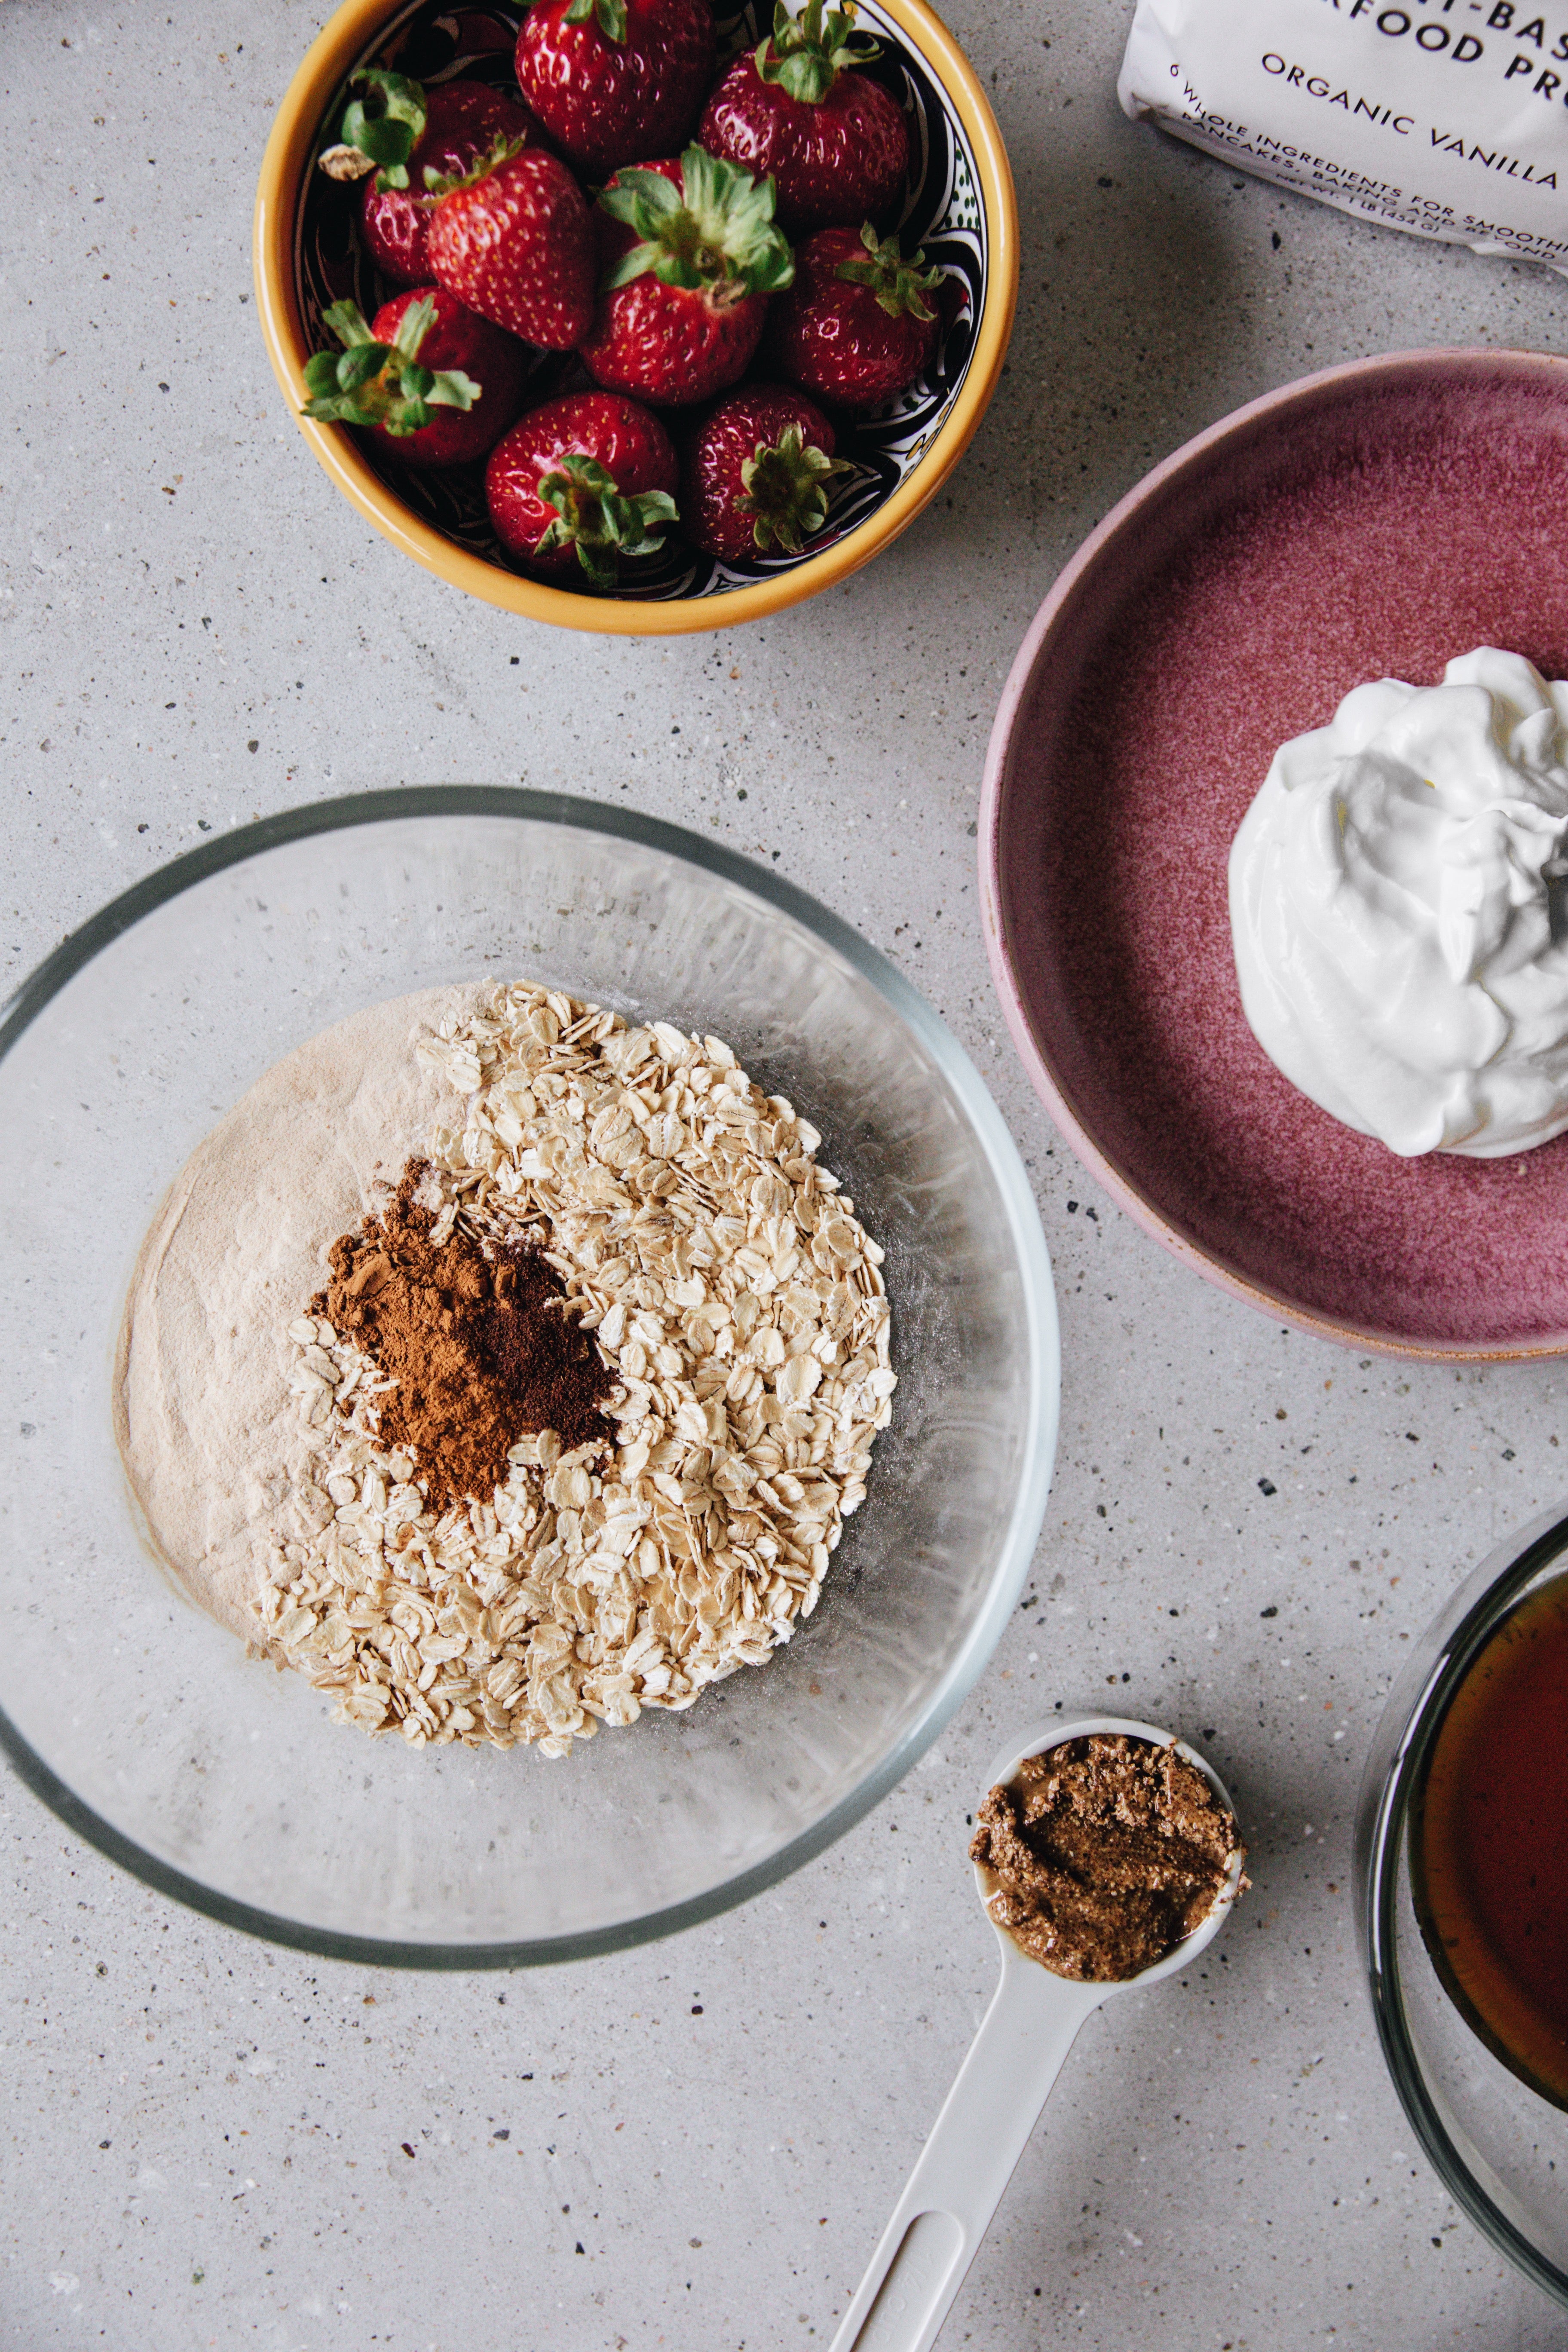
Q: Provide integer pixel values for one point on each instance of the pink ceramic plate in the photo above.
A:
(1369, 522)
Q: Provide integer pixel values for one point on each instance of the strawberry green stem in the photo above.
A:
(610, 16)
(592, 516)
(382, 384)
(786, 490)
(899, 286)
(805, 54)
(501, 150)
(717, 227)
(381, 129)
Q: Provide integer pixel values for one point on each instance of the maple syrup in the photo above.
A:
(1489, 1843)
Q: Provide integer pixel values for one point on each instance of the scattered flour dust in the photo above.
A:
(730, 1289)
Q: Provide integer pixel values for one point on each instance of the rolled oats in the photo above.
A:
(731, 1290)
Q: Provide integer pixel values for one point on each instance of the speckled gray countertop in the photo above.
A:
(207, 2143)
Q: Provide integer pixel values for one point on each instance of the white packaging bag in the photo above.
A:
(1448, 117)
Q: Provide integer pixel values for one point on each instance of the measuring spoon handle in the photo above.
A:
(938, 2223)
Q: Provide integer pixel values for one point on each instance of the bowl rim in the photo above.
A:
(1324, 384)
(1411, 1717)
(1015, 1552)
(289, 146)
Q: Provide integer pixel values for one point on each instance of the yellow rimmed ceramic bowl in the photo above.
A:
(959, 207)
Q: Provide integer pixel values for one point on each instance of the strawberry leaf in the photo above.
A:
(717, 226)
(382, 384)
(413, 327)
(636, 196)
(501, 150)
(609, 14)
(365, 406)
(358, 366)
(805, 55)
(332, 410)
(385, 125)
(383, 141)
(631, 521)
(899, 286)
(592, 516)
(452, 389)
(349, 324)
(786, 489)
(632, 264)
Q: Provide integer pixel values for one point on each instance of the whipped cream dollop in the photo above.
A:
(1398, 912)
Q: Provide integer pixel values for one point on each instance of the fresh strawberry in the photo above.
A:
(692, 253)
(756, 475)
(512, 239)
(856, 327)
(432, 383)
(463, 121)
(581, 482)
(834, 140)
(613, 79)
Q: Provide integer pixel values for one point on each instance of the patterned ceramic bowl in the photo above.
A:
(959, 207)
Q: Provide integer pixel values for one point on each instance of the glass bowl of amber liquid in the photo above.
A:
(1462, 1897)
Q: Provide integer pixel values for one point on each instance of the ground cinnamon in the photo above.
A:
(480, 1346)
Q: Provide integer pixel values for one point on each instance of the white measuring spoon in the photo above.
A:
(938, 2223)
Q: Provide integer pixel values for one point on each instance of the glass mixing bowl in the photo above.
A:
(1499, 2147)
(144, 1725)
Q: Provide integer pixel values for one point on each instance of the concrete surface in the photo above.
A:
(198, 628)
